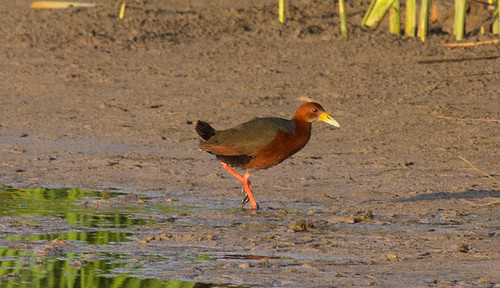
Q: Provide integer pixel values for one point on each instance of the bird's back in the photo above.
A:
(240, 144)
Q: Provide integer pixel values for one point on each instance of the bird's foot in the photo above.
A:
(246, 200)
(256, 206)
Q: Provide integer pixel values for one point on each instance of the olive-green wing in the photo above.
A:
(247, 138)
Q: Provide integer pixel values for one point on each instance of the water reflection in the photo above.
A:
(93, 237)
(46, 201)
(29, 215)
(40, 197)
(87, 224)
(20, 269)
(65, 203)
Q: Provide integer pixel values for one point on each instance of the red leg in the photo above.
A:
(231, 170)
(246, 184)
(248, 187)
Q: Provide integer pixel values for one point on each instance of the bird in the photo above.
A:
(260, 143)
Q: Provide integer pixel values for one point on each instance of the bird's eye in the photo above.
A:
(315, 110)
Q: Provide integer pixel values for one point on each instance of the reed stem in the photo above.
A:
(459, 19)
(496, 15)
(394, 22)
(411, 17)
(281, 11)
(424, 20)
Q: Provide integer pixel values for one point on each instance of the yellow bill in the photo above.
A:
(328, 119)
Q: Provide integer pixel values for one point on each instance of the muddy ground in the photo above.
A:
(92, 101)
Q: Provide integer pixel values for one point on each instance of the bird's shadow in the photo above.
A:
(469, 194)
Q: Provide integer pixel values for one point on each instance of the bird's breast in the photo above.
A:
(282, 147)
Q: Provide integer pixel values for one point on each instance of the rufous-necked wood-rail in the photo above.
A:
(261, 143)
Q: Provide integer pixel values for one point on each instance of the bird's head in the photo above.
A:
(312, 111)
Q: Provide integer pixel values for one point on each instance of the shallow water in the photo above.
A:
(69, 237)
(82, 226)
(20, 269)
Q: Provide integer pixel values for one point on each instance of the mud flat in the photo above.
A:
(108, 106)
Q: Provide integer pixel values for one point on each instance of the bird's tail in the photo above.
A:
(204, 130)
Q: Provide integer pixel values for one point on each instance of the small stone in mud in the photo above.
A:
(306, 266)
(410, 163)
(170, 219)
(156, 238)
(54, 248)
(463, 248)
(264, 263)
(444, 283)
(301, 225)
(77, 264)
(392, 257)
(453, 216)
(100, 202)
(244, 265)
(425, 254)
(367, 217)
(314, 29)
(489, 280)
(89, 257)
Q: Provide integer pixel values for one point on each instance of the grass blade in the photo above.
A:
(343, 19)
(376, 12)
(59, 4)
(122, 10)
